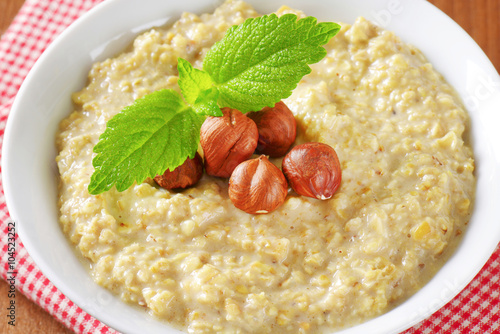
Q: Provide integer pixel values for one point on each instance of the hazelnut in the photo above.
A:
(277, 129)
(313, 170)
(257, 186)
(186, 175)
(227, 141)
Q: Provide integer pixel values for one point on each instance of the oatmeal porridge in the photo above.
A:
(190, 257)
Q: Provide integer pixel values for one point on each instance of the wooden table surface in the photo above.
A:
(480, 18)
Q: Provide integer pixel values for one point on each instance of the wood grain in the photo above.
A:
(480, 18)
(8, 9)
(30, 318)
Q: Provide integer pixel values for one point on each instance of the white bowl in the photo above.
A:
(30, 173)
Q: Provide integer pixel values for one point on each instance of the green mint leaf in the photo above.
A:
(261, 61)
(156, 133)
(257, 64)
(206, 103)
(197, 88)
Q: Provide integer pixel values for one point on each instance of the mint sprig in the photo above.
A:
(255, 65)
(198, 90)
(261, 61)
(156, 133)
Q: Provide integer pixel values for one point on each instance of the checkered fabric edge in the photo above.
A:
(32, 30)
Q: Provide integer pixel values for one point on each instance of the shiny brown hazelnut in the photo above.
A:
(186, 175)
(277, 129)
(227, 141)
(257, 186)
(313, 170)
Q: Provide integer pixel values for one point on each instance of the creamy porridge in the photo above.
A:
(311, 266)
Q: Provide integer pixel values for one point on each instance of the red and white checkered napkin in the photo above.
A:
(475, 310)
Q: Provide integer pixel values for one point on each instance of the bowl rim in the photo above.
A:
(8, 151)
